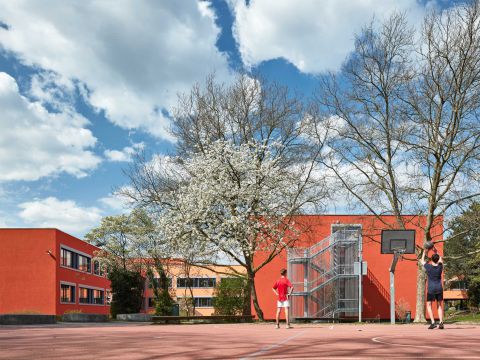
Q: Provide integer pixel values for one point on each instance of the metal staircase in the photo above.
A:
(325, 285)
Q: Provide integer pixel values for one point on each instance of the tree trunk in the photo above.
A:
(256, 305)
(247, 300)
(420, 307)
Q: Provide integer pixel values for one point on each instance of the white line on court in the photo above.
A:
(270, 347)
(376, 339)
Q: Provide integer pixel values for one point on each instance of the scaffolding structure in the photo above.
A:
(325, 282)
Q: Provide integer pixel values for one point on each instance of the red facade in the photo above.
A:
(376, 284)
(36, 276)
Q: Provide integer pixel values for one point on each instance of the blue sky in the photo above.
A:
(85, 84)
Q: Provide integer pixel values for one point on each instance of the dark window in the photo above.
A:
(151, 303)
(85, 296)
(75, 261)
(67, 293)
(458, 285)
(98, 297)
(203, 302)
(97, 269)
(196, 282)
(84, 263)
(69, 259)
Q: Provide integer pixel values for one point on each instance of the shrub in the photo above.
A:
(230, 296)
(73, 312)
(127, 289)
(163, 303)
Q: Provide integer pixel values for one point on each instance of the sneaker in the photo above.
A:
(277, 326)
(288, 327)
(440, 326)
(432, 326)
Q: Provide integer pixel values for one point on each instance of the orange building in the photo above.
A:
(50, 272)
(192, 283)
(47, 271)
(376, 284)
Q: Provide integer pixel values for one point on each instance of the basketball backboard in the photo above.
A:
(400, 240)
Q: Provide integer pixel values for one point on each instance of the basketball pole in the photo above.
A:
(392, 298)
(396, 255)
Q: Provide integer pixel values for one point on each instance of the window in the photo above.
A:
(458, 285)
(196, 282)
(67, 293)
(73, 260)
(97, 269)
(201, 302)
(69, 259)
(98, 297)
(91, 296)
(85, 296)
(151, 303)
(84, 263)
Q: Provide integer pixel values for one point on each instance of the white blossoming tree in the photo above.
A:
(237, 202)
(245, 166)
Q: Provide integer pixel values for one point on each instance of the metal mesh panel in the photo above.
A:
(325, 285)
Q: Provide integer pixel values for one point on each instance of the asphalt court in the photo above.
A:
(238, 341)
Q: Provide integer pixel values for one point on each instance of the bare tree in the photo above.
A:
(405, 119)
(249, 109)
(363, 108)
(444, 105)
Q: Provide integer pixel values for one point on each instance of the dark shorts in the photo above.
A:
(433, 297)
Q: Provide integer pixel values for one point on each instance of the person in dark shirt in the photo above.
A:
(435, 289)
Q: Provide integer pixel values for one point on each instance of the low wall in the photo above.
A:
(135, 317)
(80, 317)
(26, 319)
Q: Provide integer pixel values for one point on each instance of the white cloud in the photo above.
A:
(314, 35)
(65, 215)
(128, 58)
(116, 203)
(35, 143)
(125, 154)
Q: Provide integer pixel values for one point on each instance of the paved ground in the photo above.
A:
(238, 341)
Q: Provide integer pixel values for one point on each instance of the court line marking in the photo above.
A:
(376, 339)
(273, 346)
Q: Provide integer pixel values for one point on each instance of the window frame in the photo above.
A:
(75, 259)
(197, 282)
(74, 285)
(92, 288)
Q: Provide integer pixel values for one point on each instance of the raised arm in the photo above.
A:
(422, 261)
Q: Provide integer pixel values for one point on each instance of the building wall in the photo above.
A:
(27, 271)
(79, 278)
(31, 272)
(376, 284)
(176, 270)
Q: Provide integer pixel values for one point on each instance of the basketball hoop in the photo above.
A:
(398, 243)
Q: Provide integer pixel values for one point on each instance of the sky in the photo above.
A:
(86, 84)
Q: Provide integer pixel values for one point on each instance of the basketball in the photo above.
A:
(428, 245)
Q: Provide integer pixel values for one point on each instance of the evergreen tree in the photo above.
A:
(465, 240)
(127, 289)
